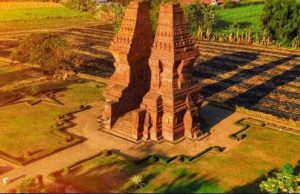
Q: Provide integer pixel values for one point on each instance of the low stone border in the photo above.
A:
(91, 77)
(59, 128)
(247, 122)
(240, 135)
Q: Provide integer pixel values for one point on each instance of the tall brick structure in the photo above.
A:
(131, 49)
(156, 100)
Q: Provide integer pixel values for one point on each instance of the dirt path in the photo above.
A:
(87, 126)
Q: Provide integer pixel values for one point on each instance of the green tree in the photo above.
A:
(48, 50)
(82, 5)
(281, 19)
(199, 16)
(284, 181)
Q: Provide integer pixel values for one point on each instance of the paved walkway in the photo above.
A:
(87, 126)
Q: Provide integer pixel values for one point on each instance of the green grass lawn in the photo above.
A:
(247, 16)
(235, 170)
(15, 16)
(244, 17)
(12, 11)
(24, 128)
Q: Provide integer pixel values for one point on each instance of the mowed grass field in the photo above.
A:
(246, 16)
(32, 15)
(24, 128)
(237, 170)
(18, 11)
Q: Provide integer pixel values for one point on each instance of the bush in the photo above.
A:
(227, 4)
(48, 50)
(66, 171)
(28, 185)
(82, 5)
(106, 153)
(118, 11)
(152, 159)
(199, 17)
(122, 2)
(35, 90)
(284, 181)
(281, 19)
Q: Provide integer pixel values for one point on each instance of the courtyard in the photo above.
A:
(251, 111)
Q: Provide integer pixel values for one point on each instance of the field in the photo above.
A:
(38, 15)
(28, 128)
(246, 16)
(16, 11)
(260, 79)
(262, 151)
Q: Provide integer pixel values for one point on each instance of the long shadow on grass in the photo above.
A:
(187, 182)
(112, 176)
(253, 187)
(19, 75)
(54, 87)
(95, 66)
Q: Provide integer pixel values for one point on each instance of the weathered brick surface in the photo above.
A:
(157, 79)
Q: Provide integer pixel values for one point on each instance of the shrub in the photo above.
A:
(106, 153)
(66, 171)
(122, 2)
(180, 158)
(284, 181)
(137, 180)
(48, 50)
(118, 11)
(35, 90)
(164, 159)
(82, 5)
(281, 19)
(227, 4)
(199, 17)
(28, 185)
(152, 159)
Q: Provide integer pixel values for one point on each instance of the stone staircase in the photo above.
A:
(122, 128)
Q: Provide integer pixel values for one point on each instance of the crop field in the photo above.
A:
(38, 16)
(260, 79)
(245, 16)
(16, 11)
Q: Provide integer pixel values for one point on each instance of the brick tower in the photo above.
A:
(173, 102)
(151, 95)
(131, 49)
